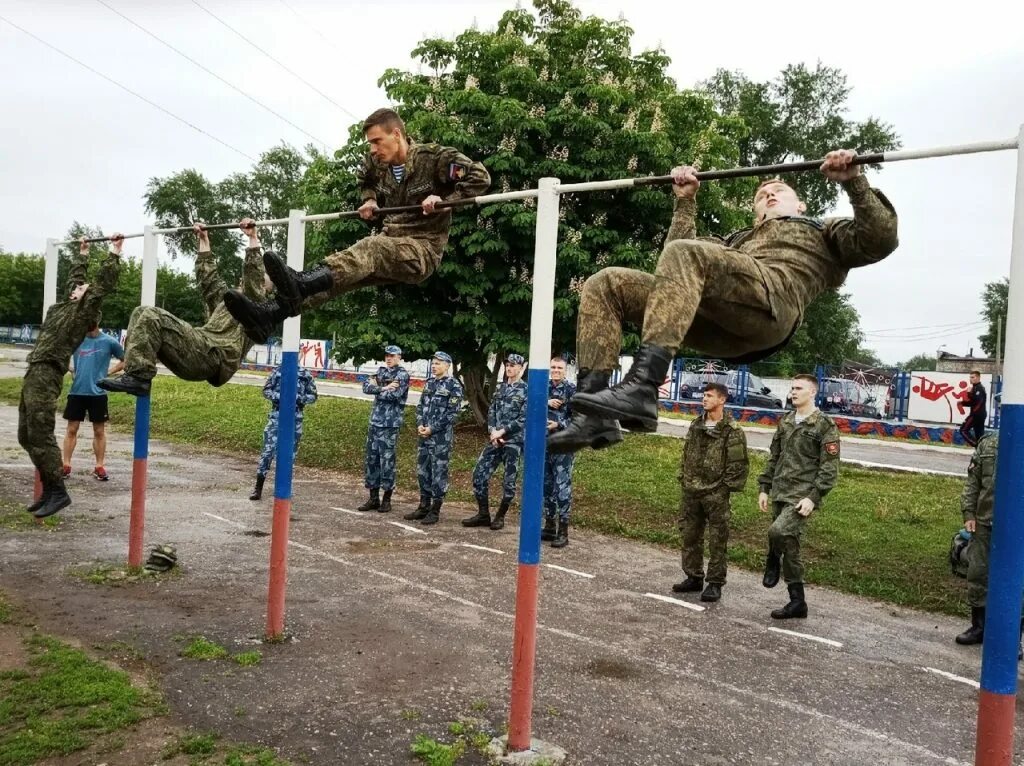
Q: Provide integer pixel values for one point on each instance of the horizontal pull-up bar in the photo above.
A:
(796, 167)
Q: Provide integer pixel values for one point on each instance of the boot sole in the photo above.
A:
(60, 506)
(288, 293)
(236, 306)
(601, 441)
(798, 616)
(639, 425)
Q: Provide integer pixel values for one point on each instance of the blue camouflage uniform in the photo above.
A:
(305, 395)
(438, 409)
(508, 411)
(558, 467)
(385, 422)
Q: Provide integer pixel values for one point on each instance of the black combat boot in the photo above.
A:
(58, 499)
(259, 318)
(372, 502)
(547, 534)
(483, 514)
(634, 401)
(385, 504)
(712, 593)
(772, 569)
(42, 499)
(976, 633)
(562, 538)
(295, 286)
(126, 383)
(499, 518)
(421, 509)
(690, 585)
(796, 607)
(585, 430)
(257, 491)
(433, 514)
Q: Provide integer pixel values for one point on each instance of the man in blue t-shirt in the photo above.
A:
(91, 361)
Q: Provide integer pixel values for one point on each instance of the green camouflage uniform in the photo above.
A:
(63, 330)
(803, 462)
(976, 503)
(739, 298)
(714, 464)
(410, 246)
(212, 352)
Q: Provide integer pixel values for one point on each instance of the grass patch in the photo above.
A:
(248, 659)
(468, 739)
(882, 535)
(121, 574)
(14, 517)
(6, 610)
(63, 701)
(200, 648)
(206, 748)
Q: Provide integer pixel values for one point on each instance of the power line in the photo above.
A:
(125, 88)
(311, 26)
(917, 327)
(210, 71)
(293, 73)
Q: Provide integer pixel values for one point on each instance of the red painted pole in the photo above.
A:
(278, 567)
(994, 743)
(524, 644)
(137, 518)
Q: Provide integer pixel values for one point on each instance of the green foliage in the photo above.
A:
(201, 648)
(995, 301)
(21, 288)
(434, 753)
(248, 659)
(919, 362)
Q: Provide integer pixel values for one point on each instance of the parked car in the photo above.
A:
(691, 386)
(844, 397)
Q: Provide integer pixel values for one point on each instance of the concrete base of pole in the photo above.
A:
(539, 753)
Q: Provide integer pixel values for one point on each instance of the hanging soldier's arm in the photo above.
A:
(737, 465)
(110, 270)
(470, 178)
(253, 273)
(211, 285)
(79, 272)
(871, 234)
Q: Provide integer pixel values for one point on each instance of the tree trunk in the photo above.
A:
(478, 383)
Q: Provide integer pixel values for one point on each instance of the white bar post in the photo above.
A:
(285, 442)
(50, 276)
(150, 254)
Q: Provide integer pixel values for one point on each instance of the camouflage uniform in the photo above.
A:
(737, 298)
(803, 462)
(410, 245)
(438, 408)
(558, 467)
(976, 503)
(714, 464)
(62, 331)
(212, 352)
(306, 394)
(385, 422)
(508, 411)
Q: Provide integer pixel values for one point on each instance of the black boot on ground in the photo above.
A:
(796, 607)
(257, 491)
(483, 515)
(258, 318)
(421, 509)
(772, 569)
(372, 502)
(547, 533)
(712, 592)
(433, 513)
(41, 501)
(585, 430)
(126, 383)
(385, 503)
(562, 538)
(58, 499)
(498, 522)
(635, 399)
(295, 286)
(689, 585)
(976, 633)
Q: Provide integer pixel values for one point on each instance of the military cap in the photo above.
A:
(392, 349)
(442, 356)
(514, 359)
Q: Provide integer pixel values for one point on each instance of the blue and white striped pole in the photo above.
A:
(285, 441)
(525, 632)
(997, 700)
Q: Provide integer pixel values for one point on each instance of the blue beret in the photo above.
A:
(443, 356)
(392, 350)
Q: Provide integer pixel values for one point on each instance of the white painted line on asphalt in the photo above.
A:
(299, 545)
(481, 548)
(408, 528)
(951, 677)
(346, 510)
(226, 521)
(676, 601)
(570, 571)
(680, 671)
(809, 637)
(903, 468)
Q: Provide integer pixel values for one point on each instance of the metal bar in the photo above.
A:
(221, 226)
(998, 694)
(94, 240)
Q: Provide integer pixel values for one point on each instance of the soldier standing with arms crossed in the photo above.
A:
(390, 389)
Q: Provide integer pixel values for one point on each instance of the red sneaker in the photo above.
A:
(100, 473)
(67, 470)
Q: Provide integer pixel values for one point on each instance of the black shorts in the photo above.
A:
(79, 406)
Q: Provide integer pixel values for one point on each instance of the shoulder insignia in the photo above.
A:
(457, 171)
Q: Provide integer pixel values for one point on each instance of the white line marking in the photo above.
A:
(481, 548)
(952, 677)
(226, 521)
(676, 601)
(346, 510)
(809, 637)
(689, 673)
(299, 545)
(570, 571)
(407, 527)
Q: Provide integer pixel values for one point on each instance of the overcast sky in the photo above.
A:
(73, 146)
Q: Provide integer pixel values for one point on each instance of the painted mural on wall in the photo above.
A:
(939, 397)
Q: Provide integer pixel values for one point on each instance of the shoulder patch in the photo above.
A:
(457, 171)
(832, 448)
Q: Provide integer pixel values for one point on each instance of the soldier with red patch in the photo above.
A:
(398, 172)
(802, 467)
